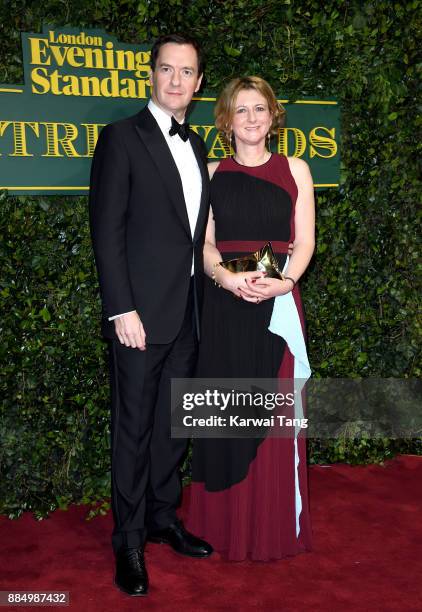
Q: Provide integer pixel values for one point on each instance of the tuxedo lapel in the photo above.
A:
(198, 150)
(154, 141)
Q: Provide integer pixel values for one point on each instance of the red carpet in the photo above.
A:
(367, 555)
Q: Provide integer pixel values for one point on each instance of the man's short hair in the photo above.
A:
(178, 39)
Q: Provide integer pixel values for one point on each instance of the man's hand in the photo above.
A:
(130, 331)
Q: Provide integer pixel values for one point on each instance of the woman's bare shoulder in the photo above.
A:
(301, 173)
(300, 170)
(298, 165)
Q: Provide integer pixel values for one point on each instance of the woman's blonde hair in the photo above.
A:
(225, 106)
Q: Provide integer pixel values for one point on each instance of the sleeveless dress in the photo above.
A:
(249, 497)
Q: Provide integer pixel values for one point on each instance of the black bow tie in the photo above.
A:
(179, 128)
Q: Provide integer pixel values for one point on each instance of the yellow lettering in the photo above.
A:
(39, 48)
(130, 90)
(72, 39)
(73, 88)
(141, 89)
(125, 60)
(90, 86)
(109, 58)
(71, 57)
(19, 136)
(143, 57)
(92, 131)
(37, 78)
(110, 85)
(142, 64)
(299, 140)
(94, 58)
(316, 141)
(219, 144)
(206, 131)
(54, 141)
(58, 54)
(54, 83)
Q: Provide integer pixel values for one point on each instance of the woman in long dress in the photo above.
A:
(249, 496)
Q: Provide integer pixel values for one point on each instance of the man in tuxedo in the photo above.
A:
(148, 211)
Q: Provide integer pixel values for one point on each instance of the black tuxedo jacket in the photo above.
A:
(140, 229)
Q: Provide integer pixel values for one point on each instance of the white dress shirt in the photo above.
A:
(188, 168)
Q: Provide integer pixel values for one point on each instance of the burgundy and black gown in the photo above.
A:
(249, 497)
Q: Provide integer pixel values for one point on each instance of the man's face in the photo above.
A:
(175, 78)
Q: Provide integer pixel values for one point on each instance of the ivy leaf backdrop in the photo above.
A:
(360, 293)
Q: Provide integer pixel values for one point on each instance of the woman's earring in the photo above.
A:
(231, 148)
(269, 141)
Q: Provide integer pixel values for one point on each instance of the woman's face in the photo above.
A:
(252, 118)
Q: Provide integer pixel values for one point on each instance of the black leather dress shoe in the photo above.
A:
(131, 574)
(181, 540)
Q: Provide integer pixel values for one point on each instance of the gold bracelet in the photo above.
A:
(217, 284)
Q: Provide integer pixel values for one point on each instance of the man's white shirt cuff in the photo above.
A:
(120, 315)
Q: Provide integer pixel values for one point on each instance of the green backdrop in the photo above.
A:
(360, 293)
(49, 126)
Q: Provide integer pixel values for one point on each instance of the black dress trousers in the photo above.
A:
(145, 480)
